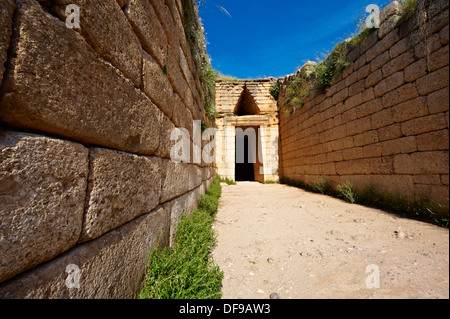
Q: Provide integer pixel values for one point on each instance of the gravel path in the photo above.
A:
(283, 240)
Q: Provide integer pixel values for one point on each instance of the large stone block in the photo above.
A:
(381, 46)
(121, 187)
(165, 142)
(439, 59)
(424, 124)
(410, 110)
(6, 13)
(433, 141)
(111, 267)
(108, 31)
(390, 132)
(42, 193)
(366, 166)
(427, 163)
(179, 179)
(398, 63)
(390, 83)
(433, 81)
(156, 85)
(359, 126)
(182, 117)
(416, 70)
(57, 83)
(402, 94)
(392, 9)
(438, 101)
(146, 24)
(404, 145)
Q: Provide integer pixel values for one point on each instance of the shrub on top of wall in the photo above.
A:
(327, 70)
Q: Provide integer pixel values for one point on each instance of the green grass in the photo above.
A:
(417, 206)
(409, 8)
(329, 68)
(186, 270)
(333, 66)
(227, 181)
(195, 34)
(322, 186)
(347, 192)
(275, 90)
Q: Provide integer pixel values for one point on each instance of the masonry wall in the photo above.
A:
(385, 120)
(86, 115)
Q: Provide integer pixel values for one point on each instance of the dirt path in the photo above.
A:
(279, 239)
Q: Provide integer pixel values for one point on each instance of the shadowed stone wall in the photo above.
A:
(385, 119)
(86, 115)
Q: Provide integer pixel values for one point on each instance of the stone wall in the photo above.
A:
(385, 119)
(86, 115)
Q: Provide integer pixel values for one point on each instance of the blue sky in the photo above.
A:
(272, 38)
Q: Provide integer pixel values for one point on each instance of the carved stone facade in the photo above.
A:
(248, 114)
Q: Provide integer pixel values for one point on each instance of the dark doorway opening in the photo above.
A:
(245, 171)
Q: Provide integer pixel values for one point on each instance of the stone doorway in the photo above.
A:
(247, 164)
(242, 105)
(244, 172)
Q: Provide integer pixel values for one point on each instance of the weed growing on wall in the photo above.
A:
(362, 33)
(331, 67)
(186, 270)
(297, 91)
(275, 90)
(409, 8)
(195, 35)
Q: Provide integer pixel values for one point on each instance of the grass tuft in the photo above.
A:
(186, 270)
(275, 90)
(408, 8)
(227, 181)
(323, 186)
(347, 192)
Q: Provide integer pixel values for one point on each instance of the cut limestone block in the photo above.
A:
(58, 84)
(121, 187)
(42, 193)
(156, 85)
(111, 267)
(107, 30)
(146, 25)
(179, 179)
